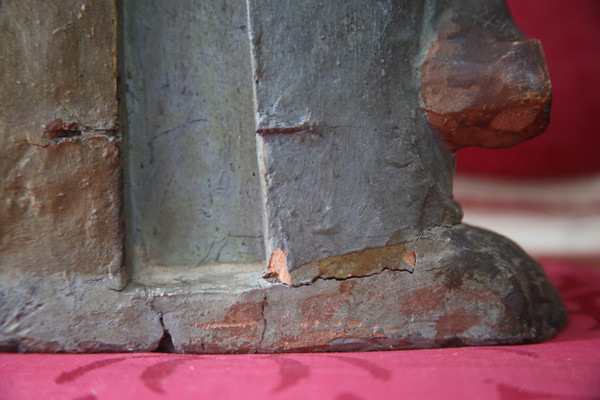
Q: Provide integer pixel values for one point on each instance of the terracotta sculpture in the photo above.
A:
(342, 234)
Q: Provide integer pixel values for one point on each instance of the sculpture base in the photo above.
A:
(467, 287)
(452, 286)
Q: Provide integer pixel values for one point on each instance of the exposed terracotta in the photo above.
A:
(483, 82)
(277, 267)
(59, 129)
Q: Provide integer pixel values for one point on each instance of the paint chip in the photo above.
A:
(410, 258)
(59, 129)
(277, 267)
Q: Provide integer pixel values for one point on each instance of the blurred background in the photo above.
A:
(545, 193)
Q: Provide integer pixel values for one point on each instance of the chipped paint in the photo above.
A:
(355, 265)
(277, 267)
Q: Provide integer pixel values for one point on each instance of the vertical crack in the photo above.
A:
(262, 312)
(166, 342)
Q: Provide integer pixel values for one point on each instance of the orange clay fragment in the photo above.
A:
(410, 258)
(485, 83)
(277, 267)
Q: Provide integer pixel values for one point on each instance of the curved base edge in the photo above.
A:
(464, 287)
(468, 287)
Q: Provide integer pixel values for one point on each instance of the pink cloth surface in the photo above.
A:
(566, 367)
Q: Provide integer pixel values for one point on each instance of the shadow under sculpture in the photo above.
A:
(359, 108)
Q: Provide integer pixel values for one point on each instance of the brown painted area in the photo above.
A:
(476, 295)
(314, 340)
(347, 286)
(238, 331)
(453, 278)
(61, 208)
(240, 320)
(320, 308)
(357, 264)
(456, 322)
(60, 193)
(423, 301)
(59, 61)
(485, 84)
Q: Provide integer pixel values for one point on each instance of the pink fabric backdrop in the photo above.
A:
(567, 367)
